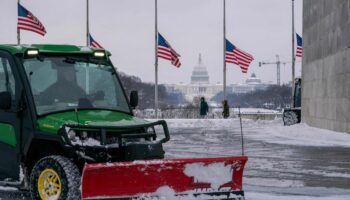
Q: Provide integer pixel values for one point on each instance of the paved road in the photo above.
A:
(273, 170)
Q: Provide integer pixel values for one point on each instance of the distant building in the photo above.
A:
(199, 86)
(200, 74)
(251, 84)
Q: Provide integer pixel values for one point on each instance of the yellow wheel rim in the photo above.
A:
(49, 185)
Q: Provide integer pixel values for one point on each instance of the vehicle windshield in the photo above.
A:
(65, 83)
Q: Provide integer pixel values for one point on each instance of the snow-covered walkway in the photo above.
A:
(270, 131)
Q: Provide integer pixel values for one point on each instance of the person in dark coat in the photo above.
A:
(226, 109)
(203, 107)
(66, 88)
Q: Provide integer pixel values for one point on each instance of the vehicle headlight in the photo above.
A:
(150, 130)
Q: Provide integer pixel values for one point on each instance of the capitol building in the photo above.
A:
(200, 86)
(251, 84)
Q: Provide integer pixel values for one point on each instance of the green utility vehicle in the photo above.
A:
(53, 101)
(67, 131)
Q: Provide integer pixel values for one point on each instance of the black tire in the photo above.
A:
(68, 174)
(290, 118)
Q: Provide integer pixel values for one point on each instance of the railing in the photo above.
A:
(214, 113)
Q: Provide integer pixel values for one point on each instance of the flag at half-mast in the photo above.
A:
(94, 43)
(237, 56)
(27, 21)
(299, 46)
(166, 52)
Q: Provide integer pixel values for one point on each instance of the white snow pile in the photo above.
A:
(216, 174)
(86, 142)
(164, 193)
(299, 134)
(167, 193)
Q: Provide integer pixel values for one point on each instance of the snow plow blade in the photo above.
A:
(219, 177)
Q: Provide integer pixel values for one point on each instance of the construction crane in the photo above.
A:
(278, 65)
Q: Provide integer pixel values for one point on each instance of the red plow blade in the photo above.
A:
(152, 178)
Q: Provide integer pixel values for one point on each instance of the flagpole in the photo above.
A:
(293, 53)
(156, 61)
(224, 57)
(87, 72)
(18, 31)
(87, 24)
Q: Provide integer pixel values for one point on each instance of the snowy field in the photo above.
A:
(285, 163)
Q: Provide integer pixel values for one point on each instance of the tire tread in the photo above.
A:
(71, 172)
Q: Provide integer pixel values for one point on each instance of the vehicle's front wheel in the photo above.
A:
(55, 178)
(290, 118)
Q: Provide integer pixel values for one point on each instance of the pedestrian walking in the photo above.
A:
(203, 108)
(226, 109)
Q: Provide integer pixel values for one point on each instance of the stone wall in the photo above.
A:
(326, 64)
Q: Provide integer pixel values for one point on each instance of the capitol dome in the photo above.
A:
(253, 80)
(200, 73)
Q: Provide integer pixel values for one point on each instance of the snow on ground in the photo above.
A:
(285, 162)
(299, 134)
(272, 131)
(265, 196)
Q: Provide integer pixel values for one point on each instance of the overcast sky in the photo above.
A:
(126, 28)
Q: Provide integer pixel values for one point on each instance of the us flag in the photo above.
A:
(27, 21)
(299, 46)
(236, 56)
(166, 52)
(93, 43)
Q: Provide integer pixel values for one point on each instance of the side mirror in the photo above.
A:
(5, 100)
(134, 99)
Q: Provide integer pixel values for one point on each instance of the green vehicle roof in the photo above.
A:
(49, 48)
